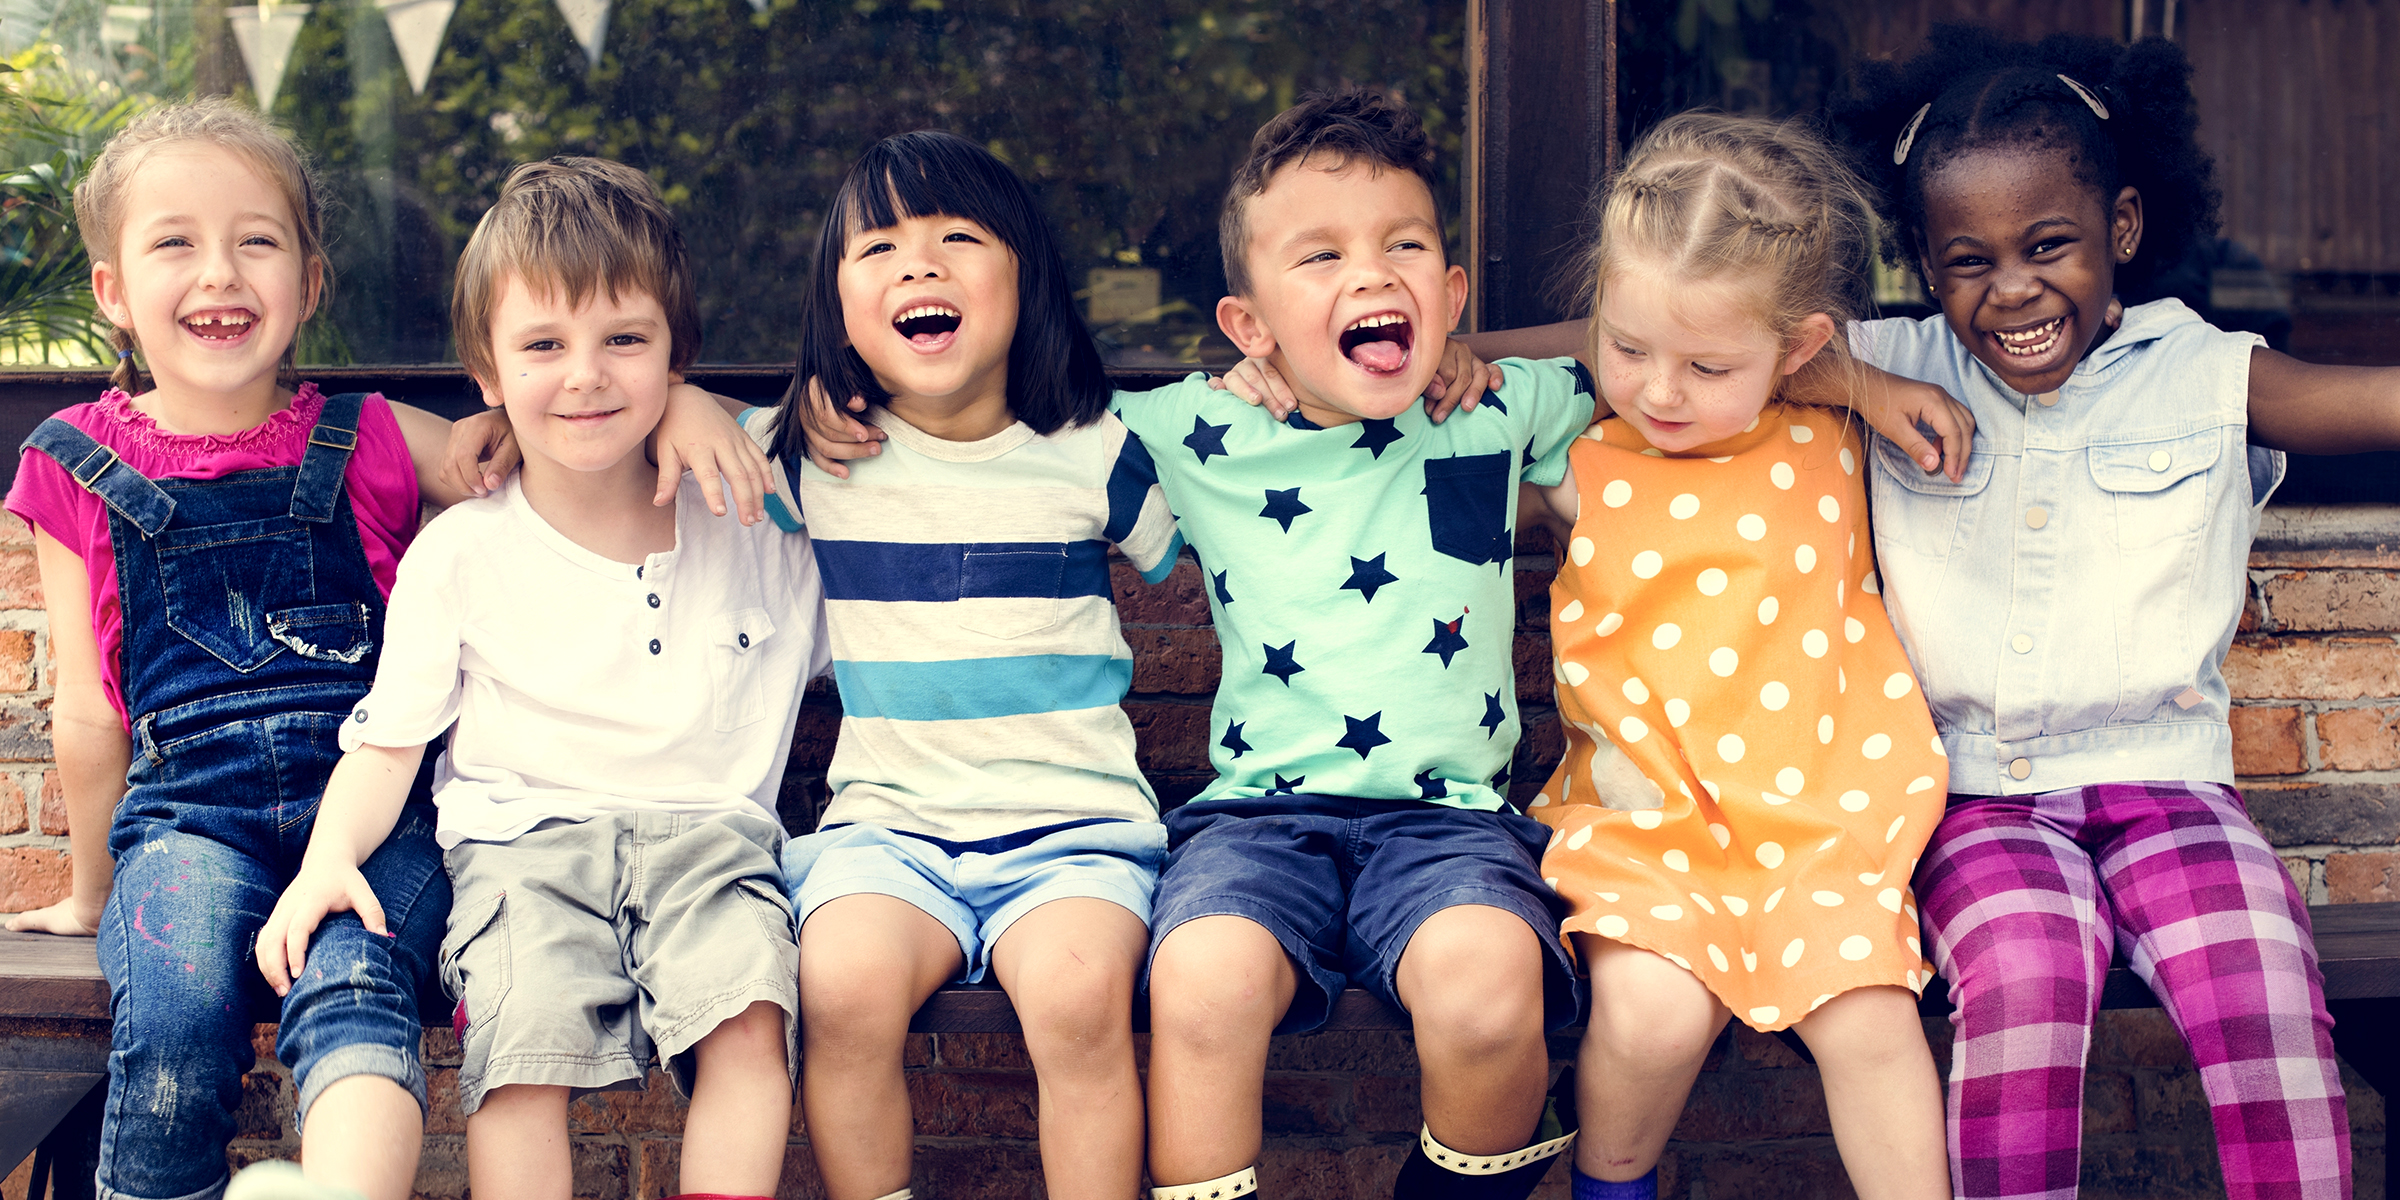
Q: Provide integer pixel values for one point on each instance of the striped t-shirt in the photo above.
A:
(975, 640)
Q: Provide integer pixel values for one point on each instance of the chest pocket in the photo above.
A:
(1922, 512)
(736, 667)
(2159, 489)
(1011, 587)
(243, 591)
(1466, 505)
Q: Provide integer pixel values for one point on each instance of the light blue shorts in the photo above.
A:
(978, 889)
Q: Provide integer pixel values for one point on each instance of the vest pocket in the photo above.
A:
(223, 584)
(2160, 488)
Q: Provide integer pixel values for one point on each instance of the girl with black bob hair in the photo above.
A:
(2069, 600)
(1055, 379)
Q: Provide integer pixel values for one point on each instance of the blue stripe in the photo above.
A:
(1129, 483)
(1166, 562)
(973, 688)
(943, 571)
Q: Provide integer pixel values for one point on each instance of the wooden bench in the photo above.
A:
(54, 1020)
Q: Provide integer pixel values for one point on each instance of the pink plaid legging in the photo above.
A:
(2027, 898)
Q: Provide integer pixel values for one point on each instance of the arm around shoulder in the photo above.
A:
(2308, 408)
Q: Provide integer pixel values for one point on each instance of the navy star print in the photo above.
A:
(1287, 787)
(1374, 435)
(1206, 439)
(1283, 506)
(1217, 580)
(1233, 739)
(1363, 736)
(1500, 782)
(1432, 788)
(1446, 640)
(1367, 574)
(1279, 662)
(1493, 715)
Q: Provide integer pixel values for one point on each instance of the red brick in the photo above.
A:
(603, 1170)
(1533, 597)
(1734, 1105)
(439, 1046)
(20, 579)
(977, 1104)
(264, 1109)
(13, 816)
(2252, 617)
(16, 660)
(1176, 600)
(800, 1180)
(2360, 739)
(441, 1170)
(54, 804)
(20, 1180)
(442, 1113)
(2327, 601)
(978, 1052)
(1791, 1170)
(32, 876)
(2171, 1104)
(1536, 676)
(920, 1050)
(2138, 1037)
(1538, 752)
(652, 1110)
(1328, 1173)
(14, 531)
(1169, 736)
(976, 1171)
(2298, 867)
(2313, 668)
(2266, 741)
(2108, 1103)
(1183, 661)
(1370, 1051)
(25, 731)
(813, 735)
(1386, 1104)
(1764, 1050)
(2362, 877)
(1305, 1106)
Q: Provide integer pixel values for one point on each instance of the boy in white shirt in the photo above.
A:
(624, 680)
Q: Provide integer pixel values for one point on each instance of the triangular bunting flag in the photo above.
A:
(122, 23)
(588, 21)
(417, 28)
(266, 33)
(758, 5)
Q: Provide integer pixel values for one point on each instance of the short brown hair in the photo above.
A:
(577, 225)
(1351, 124)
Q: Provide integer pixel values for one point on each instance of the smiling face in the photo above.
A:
(207, 273)
(1689, 364)
(931, 305)
(583, 386)
(1349, 294)
(2022, 257)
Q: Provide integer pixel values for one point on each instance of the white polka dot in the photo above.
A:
(1841, 681)
(1871, 585)
(1804, 558)
(1919, 784)
(1646, 818)
(1721, 458)
(1617, 494)
(1612, 926)
(1654, 452)
(1580, 838)
(1735, 905)
(1890, 898)
(1898, 685)
(1752, 427)
(1611, 897)
(1676, 860)
(1609, 624)
(1766, 611)
(1730, 747)
(1678, 712)
(1580, 550)
(1774, 799)
(1770, 854)
(1575, 672)
(1677, 959)
(1765, 1015)
(1819, 1002)
(1825, 730)
(1912, 981)
(1667, 912)
(1712, 582)
(1572, 613)
(1647, 564)
(1631, 730)
(1829, 508)
(1774, 696)
(1856, 948)
(1752, 527)
(1854, 801)
(1790, 780)
(1680, 785)
(1636, 691)
(1876, 746)
(1853, 630)
(1552, 881)
(1781, 473)
(1894, 832)
(1827, 844)
(1714, 792)
(1724, 661)
(1937, 747)
(1723, 835)
(1814, 643)
(1838, 589)
(1849, 462)
(1914, 948)
(1772, 901)
(1542, 800)
(1665, 636)
(1684, 507)
(1802, 434)
(1826, 899)
(1792, 953)
(1716, 958)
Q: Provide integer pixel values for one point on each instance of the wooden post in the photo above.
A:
(215, 68)
(1541, 110)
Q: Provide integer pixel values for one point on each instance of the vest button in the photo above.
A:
(2036, 517)
(2160, 460)
(2048, 399)
(2022, 643)
(2020, 768)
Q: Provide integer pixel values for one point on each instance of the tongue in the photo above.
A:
(1379, 356)
(928, 339)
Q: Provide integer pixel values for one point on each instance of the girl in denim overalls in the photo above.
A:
(215, 554)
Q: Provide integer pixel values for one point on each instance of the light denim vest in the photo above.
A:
(2067, 605)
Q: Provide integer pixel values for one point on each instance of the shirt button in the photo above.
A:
(2020, 768)
(743, 640)
(360, 716)
(2160, 460)
(653, 645)
(654, 599)
(2036, 517)
(2048, 399)
(2022, 643)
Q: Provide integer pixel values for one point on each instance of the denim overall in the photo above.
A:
(251, 626)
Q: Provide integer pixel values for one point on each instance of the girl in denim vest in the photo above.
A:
(2067, 601)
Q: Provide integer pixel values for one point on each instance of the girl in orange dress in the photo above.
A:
(1750, 772)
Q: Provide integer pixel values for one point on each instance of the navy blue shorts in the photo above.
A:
(1343, 884)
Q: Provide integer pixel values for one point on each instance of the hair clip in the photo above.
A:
(122, 355)
(1908, 136)
(2098, 109)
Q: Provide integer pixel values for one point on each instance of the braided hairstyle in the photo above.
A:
(1705, 196)
(1989, 92)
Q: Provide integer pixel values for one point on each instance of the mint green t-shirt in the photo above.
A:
(1360, 581)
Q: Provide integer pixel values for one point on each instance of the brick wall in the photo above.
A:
(2316, 675)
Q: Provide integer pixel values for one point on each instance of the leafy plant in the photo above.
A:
(51, 124)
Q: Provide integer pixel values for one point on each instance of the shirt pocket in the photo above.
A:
(1920, 512)
(2158, 489)
(1010, 589)
(1466, 505)
(737, 666)
(223, 584)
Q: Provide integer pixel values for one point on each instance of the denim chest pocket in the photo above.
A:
(737, 644)
(1466, 505)
(1024, 578)
(2159, 489)
(244, 591)
(1919, 511)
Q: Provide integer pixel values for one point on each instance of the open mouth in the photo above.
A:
(2033, 342)
(927, 326)
(222, 325)
(1379, 344)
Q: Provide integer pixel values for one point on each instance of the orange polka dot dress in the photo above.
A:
(1751, 773)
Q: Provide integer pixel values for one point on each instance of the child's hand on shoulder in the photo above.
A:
(482, 451)
(697, 433)
(65, 918)
(835, 437)
(1459, 382)
(1906, 411)
(322, 888)
(1260, 385)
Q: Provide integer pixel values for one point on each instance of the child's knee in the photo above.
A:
(756, 1031)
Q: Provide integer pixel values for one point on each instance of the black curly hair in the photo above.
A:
(1988, 91)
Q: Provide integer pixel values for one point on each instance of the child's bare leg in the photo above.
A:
(741, 1106)
(1882, 1093)
(1651, 1026)
(1472, 980)
(517, 1144)
(867, 963)
(363, 1133)
(1218, 985)
(1069, 968)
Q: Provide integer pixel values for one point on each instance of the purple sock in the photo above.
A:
(1645, 1188)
